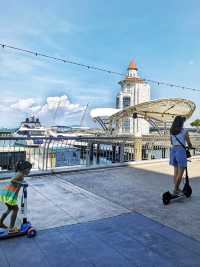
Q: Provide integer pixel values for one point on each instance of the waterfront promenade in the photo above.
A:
(110, 217)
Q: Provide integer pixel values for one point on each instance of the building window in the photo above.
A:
(126, 101)
(117, 102)
(126, 126)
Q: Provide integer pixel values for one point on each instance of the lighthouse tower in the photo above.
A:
(133, 91)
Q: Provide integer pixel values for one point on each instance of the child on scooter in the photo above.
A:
(179, 137)
(9, 195)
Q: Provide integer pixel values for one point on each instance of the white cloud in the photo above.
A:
(63, 102)
(59, 110)
(55, 110)
(23, 104)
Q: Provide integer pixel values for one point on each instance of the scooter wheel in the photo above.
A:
(31, 232)
(188, 193)
(166, 198)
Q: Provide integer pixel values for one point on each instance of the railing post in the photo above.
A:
(163, 152)
(47, 153)
(87, 150)
(43, 155)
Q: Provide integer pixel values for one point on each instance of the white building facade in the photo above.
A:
(133, 91)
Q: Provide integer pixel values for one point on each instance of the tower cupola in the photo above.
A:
(132, 69)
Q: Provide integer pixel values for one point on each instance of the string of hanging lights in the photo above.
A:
(63, 60)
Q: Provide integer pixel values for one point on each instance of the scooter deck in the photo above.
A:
(23, 231)
(174, 196)
(5, 235)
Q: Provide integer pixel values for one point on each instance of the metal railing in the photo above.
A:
(47, 153)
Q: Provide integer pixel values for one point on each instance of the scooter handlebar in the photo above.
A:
(24, 184)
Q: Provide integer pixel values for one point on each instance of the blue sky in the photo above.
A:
(162, 37)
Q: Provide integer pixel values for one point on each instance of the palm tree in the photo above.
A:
(196, 124)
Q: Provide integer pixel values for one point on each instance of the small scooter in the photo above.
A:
(26, 227)
(187, 191)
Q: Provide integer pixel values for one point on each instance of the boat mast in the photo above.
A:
(83, 115)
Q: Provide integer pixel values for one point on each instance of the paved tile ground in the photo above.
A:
(125, 240)
(53, 202)
(139, 188)
(111, 217)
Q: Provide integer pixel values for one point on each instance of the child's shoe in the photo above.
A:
(13, 230)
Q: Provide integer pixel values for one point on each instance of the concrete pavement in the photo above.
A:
(112, 217)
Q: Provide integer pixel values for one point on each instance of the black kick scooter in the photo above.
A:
(187, 191)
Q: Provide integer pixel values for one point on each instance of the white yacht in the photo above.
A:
(57, 154)
(31, 127)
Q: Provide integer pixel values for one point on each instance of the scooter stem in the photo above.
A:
(24, 203)
(186, 175)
